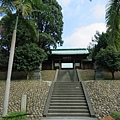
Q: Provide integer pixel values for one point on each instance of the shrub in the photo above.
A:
(15, 116)
(115, 115)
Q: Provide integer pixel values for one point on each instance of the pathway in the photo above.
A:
(67, 99)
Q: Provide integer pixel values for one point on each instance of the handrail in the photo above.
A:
(48, 100)
(56, 75)
(49, 95)
(92, 113)
(79, 78)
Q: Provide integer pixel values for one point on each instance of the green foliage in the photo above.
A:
(15, 116)
(109, 58)
(99, 41)
(115, 115)
(113, 22)
(49, 23)
(28, 57)
(3, 59)
(112, 35)
(42, 24)
(46, 18)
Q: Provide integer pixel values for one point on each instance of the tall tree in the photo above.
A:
(24, 8)
(109, 58)
(99, 41)
(28, 58)
(49, 23)
(113, 22)
(26, 31)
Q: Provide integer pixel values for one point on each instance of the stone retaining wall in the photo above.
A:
(104, 94)
(36, 92)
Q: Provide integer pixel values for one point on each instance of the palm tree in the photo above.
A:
(113, 22)
(22, 8)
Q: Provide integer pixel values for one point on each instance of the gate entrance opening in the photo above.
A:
(67, 65)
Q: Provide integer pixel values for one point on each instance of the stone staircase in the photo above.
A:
(68, 100)
(67, 97)
(67, 76)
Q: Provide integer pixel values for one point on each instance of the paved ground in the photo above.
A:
(68, 118)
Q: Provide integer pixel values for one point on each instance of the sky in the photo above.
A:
(82, 19)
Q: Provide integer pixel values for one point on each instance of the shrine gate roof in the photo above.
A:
(72, 51)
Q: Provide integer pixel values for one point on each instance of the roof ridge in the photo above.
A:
(69, 49)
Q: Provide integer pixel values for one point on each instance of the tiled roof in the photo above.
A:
(70, 51)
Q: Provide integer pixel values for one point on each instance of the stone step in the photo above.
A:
(68, 107)
(75, 93)
(68, 111)
(67, 79)
(67, 98)
(68, 101)
(78, 95)
(68, 90)
(69, 114)
(64, 85)
(67, 86)
(67, 83)
(68, 104)
(70, 82)
(67, 93)
(69, 118)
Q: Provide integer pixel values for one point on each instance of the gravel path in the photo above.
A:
(105, 96)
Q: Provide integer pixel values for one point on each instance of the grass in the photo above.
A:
(115, 115)
(16, 75)
(88, 74)
(48, 75)
(15, 116)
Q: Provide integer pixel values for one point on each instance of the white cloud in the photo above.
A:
(0, 18)
(99, 11)
(76, 13)
(64, 3)
(82, 36)
(70, 7)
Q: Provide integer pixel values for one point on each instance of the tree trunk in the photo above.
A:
(28, 75)
(40, 67)
(7, 89)
(113, 77)
(10, 64)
